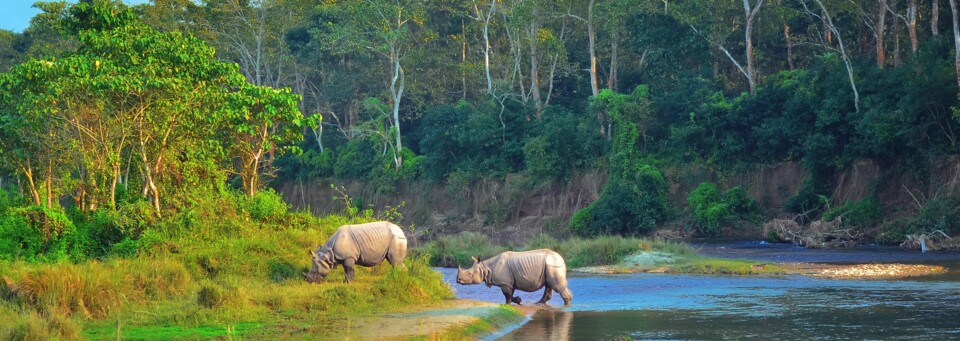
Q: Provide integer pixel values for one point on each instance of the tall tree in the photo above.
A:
(388, 28)
(708, 21)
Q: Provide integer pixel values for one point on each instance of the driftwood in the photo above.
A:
(817, 234)
(936, 240)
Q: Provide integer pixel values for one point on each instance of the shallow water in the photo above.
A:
(663, 306)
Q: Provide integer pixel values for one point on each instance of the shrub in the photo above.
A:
(267, 206)
(857, 214)
(634, 199)
(628, 205)
(211, 295)
(940, 213)
(39, 233)
(713, 209)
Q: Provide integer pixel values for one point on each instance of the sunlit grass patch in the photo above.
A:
(719, 266)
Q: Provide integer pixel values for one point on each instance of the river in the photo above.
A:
(669, 307)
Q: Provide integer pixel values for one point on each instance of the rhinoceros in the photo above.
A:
(363, 244)
(526, 271)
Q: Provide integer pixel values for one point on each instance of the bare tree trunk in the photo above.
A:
(614, 51)
(956, 38)
(843, 51)
(935, 18)
(113, 185)
(896, 50)
(912, 26)
(535, 69)
(881, 26)
(592, 38)
(463, 59)
(786, 36)
(28, 173)
(50, 184)
(149, 185)
(553, 65)
(748, 40)
(486, 44)
(828, 32)
(396, 94)
(517, 57)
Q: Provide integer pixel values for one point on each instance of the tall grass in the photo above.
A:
(457, 249)
(208, 271)
(454, 250)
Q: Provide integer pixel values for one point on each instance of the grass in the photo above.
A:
(718, 266)
(633, 254)
(500, 318)
(245, 280)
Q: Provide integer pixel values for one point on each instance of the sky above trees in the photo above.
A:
(15, 15)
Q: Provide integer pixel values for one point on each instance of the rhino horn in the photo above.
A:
(314, 254)
(475, 260)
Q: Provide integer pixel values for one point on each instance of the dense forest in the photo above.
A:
(117, 111)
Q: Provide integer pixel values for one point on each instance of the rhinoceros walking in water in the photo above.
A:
(527, 271)
(363, 244)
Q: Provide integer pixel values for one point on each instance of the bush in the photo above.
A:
(941, 213)
(713, 209)
(861, 214)
(628, 205)
(39, 233)
(634, 199)
(267, 206)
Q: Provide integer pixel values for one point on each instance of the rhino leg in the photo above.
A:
(566, 295)
(348, 269)
(547, 294)
(508, 295)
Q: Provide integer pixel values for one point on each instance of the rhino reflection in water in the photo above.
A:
(364, 244)
(526, 271)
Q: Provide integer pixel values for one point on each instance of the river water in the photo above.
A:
(700, 307)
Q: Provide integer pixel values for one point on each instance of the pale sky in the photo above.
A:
(15, 14)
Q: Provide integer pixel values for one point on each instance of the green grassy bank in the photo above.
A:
(219, 268)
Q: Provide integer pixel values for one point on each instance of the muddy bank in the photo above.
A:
(454, 319)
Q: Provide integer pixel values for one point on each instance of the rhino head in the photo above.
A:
(319, 268)
(473, 275)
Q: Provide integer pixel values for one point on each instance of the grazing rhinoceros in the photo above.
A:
(364, 244)
(527, 271)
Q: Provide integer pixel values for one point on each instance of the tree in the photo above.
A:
(707, 20)
(956, 37)
(388, 28)
(130, 91)
(261, 119)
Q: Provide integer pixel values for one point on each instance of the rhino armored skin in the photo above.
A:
(363, 244)
(526, 271)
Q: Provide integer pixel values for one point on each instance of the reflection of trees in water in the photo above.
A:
(552, 325)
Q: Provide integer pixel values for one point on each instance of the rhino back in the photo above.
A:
(371, 241)
(528, 270)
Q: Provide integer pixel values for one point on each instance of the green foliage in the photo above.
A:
(267, 206)
(713, 209)
(634, 199)
(940, 213)
(808, 201)
(861, 214)
(579, 252)
(39, 233)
